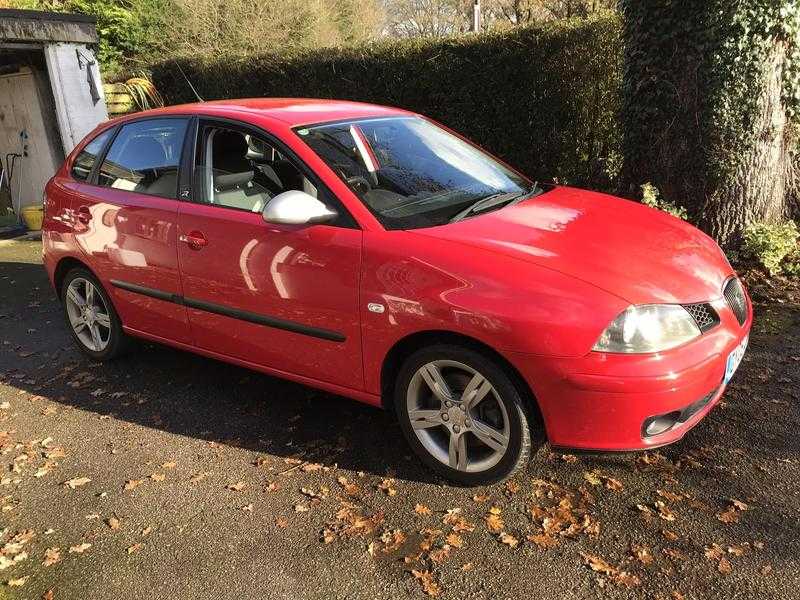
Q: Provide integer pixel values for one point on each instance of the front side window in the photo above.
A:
(240, 170)
(144, 158)
(84, 163)
(411, 173)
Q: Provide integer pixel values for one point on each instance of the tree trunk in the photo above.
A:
(757, 190)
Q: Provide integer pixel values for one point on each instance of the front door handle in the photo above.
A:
(194, 239)
(84, 215)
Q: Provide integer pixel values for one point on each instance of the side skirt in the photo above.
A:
(359, 395)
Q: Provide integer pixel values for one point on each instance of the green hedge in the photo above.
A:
(544, 98)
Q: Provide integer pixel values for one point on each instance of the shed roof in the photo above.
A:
(34, 26)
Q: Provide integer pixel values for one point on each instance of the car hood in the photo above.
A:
(630, 250)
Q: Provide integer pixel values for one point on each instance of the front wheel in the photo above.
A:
(462, 414)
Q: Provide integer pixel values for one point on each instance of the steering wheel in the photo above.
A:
(360, 184)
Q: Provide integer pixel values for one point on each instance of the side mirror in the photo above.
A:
(296, 208)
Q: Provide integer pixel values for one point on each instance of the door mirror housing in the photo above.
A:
(297, 208)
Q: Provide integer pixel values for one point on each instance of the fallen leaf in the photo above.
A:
(158, 477)
(80, 548)
(135, 548)
(199, 476)
(429, 584)
(543, 540)
(421, 509)
(642, 553)
(51, 556)
(493, 519)
(454, 540)
(387, 487)
(17, 582)
(508, 540)
(169, 465)
(76, 482)
(133, 484)
(724, 566)
(113, 522)
(236, 487)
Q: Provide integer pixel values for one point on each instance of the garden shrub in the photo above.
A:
(771, 245)
(651, 198)
(544, 98)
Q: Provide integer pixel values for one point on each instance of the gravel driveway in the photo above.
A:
(166, 475)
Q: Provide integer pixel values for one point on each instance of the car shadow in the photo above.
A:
(189, 395)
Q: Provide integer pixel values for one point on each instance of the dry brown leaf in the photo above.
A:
(281, 522)
(199, 476)
(543, 540)
(670, 535)
(480, 498)
(76, 482)
(724, 566)
(135, 548)
(440, 555)
(158, 476)
(132, 484)
(493, 519)
(729, 515)
(51, 556)
(598, 564)
(236, 487)
(421, 509)
(664, 511)
(113, 522)
(642, 553)
(467, 566)
(387, 487)
(20, 581)
(713, 552)
(80, 548)
(455, 540)
(429, 584)
(508, 540)
(674, 554)
(169, 465)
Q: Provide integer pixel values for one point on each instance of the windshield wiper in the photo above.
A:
(495, 200)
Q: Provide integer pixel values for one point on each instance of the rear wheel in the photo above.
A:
(462, 414)
(91, 317)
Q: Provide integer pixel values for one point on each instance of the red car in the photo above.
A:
(373, 253)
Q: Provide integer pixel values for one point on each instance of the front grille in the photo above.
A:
(704, 315)
(734, 296)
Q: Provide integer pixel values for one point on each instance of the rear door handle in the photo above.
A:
(194, 239)
(84, 214)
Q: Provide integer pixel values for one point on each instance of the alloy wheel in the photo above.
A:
(457, 415)
(88, 314)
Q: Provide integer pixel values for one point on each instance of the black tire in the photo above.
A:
(118, 341)
(518, 425)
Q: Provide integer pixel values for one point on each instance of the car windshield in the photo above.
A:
(411, 173)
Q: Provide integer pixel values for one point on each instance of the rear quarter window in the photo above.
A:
(84, 163)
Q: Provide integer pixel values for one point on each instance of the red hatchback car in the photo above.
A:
(372, 253)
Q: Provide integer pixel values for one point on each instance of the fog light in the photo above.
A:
(660, 424)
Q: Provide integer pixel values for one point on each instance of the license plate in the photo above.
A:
(735, 359)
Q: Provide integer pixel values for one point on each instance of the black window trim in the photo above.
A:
(98, 158)
(93, 176)
(345, 219)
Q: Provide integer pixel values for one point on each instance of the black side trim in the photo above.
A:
(146, 291)
(234, 313)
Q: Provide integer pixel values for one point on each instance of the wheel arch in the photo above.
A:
(64, 266)
(409, 344)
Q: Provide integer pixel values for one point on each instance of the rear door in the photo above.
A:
(125, 221)
(284, 297)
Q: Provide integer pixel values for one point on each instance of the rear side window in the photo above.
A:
(144, 158)
(83, 165)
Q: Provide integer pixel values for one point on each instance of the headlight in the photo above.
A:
(648, 328)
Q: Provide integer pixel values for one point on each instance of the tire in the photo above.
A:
(421, 412)
(112, 339)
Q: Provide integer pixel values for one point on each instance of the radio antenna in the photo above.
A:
(194, 91)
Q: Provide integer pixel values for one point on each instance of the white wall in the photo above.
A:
(76, 111)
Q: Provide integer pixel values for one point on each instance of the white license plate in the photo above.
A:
(735, 359)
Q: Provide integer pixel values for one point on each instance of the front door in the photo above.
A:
(284, 297)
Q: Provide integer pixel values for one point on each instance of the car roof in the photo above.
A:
(292, 111)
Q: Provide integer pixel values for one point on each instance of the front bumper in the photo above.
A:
(603, 401)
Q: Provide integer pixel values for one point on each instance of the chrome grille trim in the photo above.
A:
(736, 299)
(704, 315)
